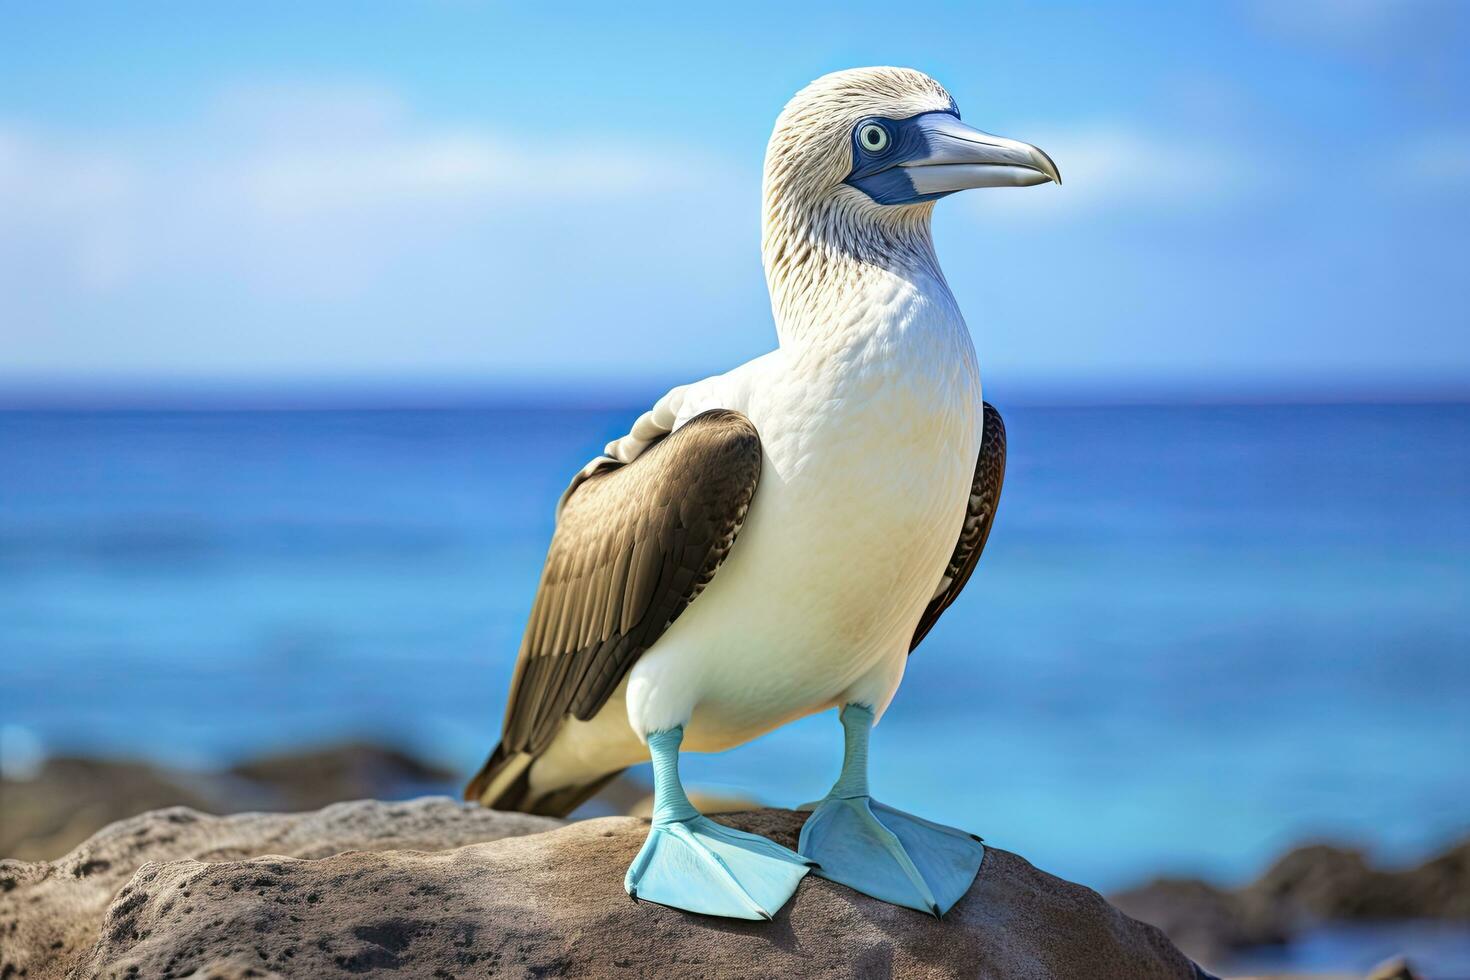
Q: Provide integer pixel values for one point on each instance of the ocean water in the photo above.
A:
(1199, 635)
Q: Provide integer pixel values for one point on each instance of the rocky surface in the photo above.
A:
(1306, 887)
(435, 889)
(51, 912)
(71, 798)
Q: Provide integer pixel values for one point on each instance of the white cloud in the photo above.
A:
(311, 109)
(68, 203)
(331, 178)
(305, 229)
(434, 169)
(55, 178)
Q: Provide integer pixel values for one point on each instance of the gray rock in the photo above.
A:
(366, 887)
(1207, 922)
(1306, 887)
(50, 912)
(1325, 883)
(72, 798)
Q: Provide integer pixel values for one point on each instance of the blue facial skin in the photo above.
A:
(879, 175)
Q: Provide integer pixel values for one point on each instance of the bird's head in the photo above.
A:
(865, 152)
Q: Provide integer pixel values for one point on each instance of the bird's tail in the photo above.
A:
(504, 783)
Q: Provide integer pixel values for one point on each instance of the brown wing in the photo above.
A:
(633, 547)
(990, 472)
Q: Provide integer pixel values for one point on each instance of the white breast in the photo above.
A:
(870, 447)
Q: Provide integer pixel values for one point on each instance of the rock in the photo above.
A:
(426, 903)
(314, 778)
(72, 798)
(1397, 968)
(1315, 884)
(1306, 887)
(50, 912)
(1440, 887)
(1206, 922)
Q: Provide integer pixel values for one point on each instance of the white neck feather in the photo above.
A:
(837, 273)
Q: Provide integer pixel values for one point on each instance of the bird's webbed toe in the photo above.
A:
(702, 866)
(891, 855)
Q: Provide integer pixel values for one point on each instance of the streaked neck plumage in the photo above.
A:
(843, 268)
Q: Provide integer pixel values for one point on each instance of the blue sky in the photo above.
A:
(1256, 193)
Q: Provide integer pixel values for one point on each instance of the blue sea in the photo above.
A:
(1199, 635)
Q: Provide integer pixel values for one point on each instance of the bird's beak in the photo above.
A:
(960, 157)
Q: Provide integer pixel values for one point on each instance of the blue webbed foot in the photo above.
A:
(891, 855)
(702, 866)
(692, 863)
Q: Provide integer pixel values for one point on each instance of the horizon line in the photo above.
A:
(378, 393)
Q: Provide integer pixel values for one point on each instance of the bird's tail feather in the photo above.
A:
(504, 783)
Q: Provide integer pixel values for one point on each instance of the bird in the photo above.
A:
(775, 541)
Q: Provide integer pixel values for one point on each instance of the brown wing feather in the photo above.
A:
(633, 547)
(990, 471)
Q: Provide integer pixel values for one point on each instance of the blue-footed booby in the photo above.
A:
(776, 540)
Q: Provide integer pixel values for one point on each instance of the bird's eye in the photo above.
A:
(874, 138)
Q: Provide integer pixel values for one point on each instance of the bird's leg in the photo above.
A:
(692, 863)
(880, 851)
